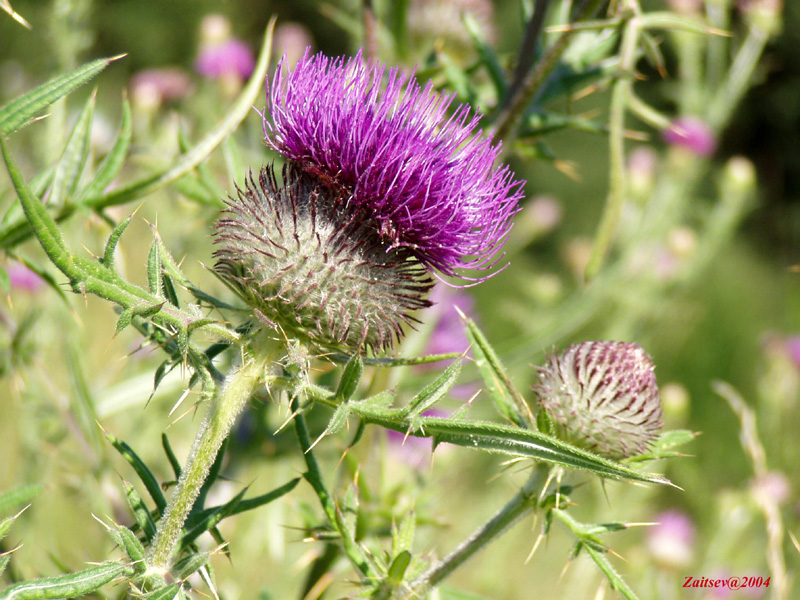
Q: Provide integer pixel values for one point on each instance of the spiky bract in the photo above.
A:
(603, 396)
(428, 179)
(311, 264)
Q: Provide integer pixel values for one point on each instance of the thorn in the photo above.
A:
(535, 546)
(179, 402)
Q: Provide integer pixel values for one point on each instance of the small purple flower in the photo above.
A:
(692, 134)
(154, 87)
(671, 541)
(231, 58)
(426, 179)
(792, 347)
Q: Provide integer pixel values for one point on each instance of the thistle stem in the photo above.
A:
(523, 501)
(229, 402)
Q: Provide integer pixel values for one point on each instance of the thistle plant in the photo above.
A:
(376, 175)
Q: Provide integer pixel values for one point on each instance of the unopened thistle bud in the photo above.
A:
(603, 397)
(382, 189)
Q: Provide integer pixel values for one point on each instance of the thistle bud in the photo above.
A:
(602, 396)
(312, 265)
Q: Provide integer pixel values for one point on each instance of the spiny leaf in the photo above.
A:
(508, 401)
(351, 377)
(73, 159)
(131, 545)
(20, 111)
(144, 473)
(140, 512)
(67, 586)
(188, 565)
(112, 163)
(113, 240)
(433, 392)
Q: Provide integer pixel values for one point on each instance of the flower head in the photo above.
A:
(603, 396)
(692, 134)
(231, 58)
(311, 265)
(426, 180)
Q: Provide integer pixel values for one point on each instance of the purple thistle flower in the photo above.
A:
(671, 541)
(426, 179)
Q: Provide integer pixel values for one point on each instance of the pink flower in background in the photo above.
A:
(671, 542)
(792, 347)
(22, 278)
(692, 134)
(154, 87)
(291, 40)
(231, 58)
(414, 451)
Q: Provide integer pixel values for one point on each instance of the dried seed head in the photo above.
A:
(313, 264)
(603, 396)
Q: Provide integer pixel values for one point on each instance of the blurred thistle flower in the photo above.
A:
(23, 279)
(642, 165)
(381, 190)
(764, 15)
(671, 541)
(443, 20)
(448, 332)
(221, 56)
(603, 396)
(792, 349)
(291, 41)
(152, 88)
(230, 59)
(771, 488)
(693, 134)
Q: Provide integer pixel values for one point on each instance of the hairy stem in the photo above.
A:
(225, 407)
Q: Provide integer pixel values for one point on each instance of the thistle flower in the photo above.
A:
(426, 180)
(311, 264)
(603, 396)
(671, 541)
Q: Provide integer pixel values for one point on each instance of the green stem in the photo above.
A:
(515, 106)
(522, 502)
(226, 406)
(314, 476)
(738, 79)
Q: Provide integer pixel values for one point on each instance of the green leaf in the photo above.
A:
(199, 522)
(508, 401)
(398, 567)
(196, 527)
(488, 56)
(140, 512)
(66, 586)
(173, 460)
(19, 112)
(403, 536)
(112, 163)
(526, 443)
(433, 392)
(187, 162)
(399, 362)
(664, 446)
(351, 376)
(73, 159)
(113, 240)
(131, 545)
(19, 496)
(145, 474)
(188, 565)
